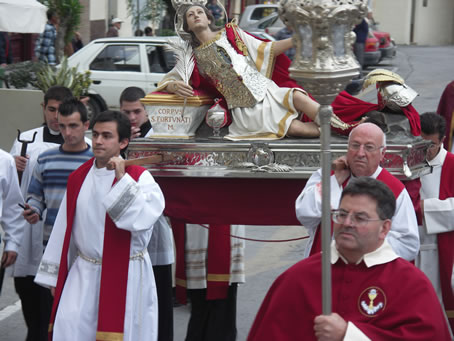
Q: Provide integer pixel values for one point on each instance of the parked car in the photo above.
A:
(262, 35)
(387, 46)
(270, 24)
(253, 13)
(372, 54)
(116, 63)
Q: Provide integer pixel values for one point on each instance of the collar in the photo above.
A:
(376, 173)
(50, 136)
(145, 128)
(439, 158)
(384, 254)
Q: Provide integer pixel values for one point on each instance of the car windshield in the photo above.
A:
(160, 59)
(268, 21)
(117, 58)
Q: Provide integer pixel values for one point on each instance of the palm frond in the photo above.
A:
(185, 59)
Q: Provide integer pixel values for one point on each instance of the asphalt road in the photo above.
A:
(426, 69)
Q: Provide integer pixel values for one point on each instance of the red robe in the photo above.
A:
(409, 305)
(446, 109)
(446, 241)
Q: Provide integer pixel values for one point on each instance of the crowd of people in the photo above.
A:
(92, 252)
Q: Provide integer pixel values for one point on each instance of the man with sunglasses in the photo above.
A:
(366, 149)
(376, 295)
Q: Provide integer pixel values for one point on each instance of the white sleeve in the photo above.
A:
(15, 149)
(12, 221)
(309, 203)
(439, 215)
(135, 206)
(261, 52)
(354, 333)
(404, 235)
(50, 263)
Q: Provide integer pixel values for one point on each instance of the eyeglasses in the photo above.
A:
(370, 148)
(433, 145)
(357, 219)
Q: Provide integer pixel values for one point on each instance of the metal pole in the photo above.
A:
(325, 150)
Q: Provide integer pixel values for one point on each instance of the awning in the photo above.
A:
(22, 16)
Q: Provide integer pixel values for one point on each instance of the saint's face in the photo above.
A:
(363, 234)
(106, 143)
(135, 111)
(196, 18)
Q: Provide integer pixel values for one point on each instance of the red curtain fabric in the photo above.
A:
(231, 200)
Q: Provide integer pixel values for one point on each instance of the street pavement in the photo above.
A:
(426, 69)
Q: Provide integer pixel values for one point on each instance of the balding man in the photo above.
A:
(366, 148)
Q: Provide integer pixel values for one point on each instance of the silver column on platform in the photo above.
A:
(323, 65)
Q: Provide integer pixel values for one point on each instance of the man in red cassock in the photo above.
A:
(436, 255)
(375, 294)
(446, 109)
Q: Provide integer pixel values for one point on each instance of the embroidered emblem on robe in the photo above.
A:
(372, 301)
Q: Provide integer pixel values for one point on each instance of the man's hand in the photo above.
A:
(180, 88)
(52, 291)
(341, 169)
(330, 327)
(21, 162)
(30, 215)
(118, 164)
(135, 132)
(8, 258)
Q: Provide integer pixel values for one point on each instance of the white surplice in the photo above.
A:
(403, 236)
(438, 218)
(11, 219)
(31, 249)
(196, 255)
(77, 313)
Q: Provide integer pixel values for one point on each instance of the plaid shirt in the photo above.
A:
(45, 45)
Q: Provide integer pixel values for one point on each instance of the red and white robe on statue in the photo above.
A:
(382, 298)
(436, 256)
(133, 207)
(403, 237)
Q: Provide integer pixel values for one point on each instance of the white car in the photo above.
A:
(117, 63)
(253, 13)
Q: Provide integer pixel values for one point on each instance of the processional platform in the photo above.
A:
(252, 182)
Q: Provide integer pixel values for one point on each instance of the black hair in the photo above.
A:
(50, 13)
(378, 118)
(123, 124)
(432, 123)
(376, 190)
(131, 94)
(138, 33)
(72, 105)
(212, 25)
(57, 93)
(148, 30)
